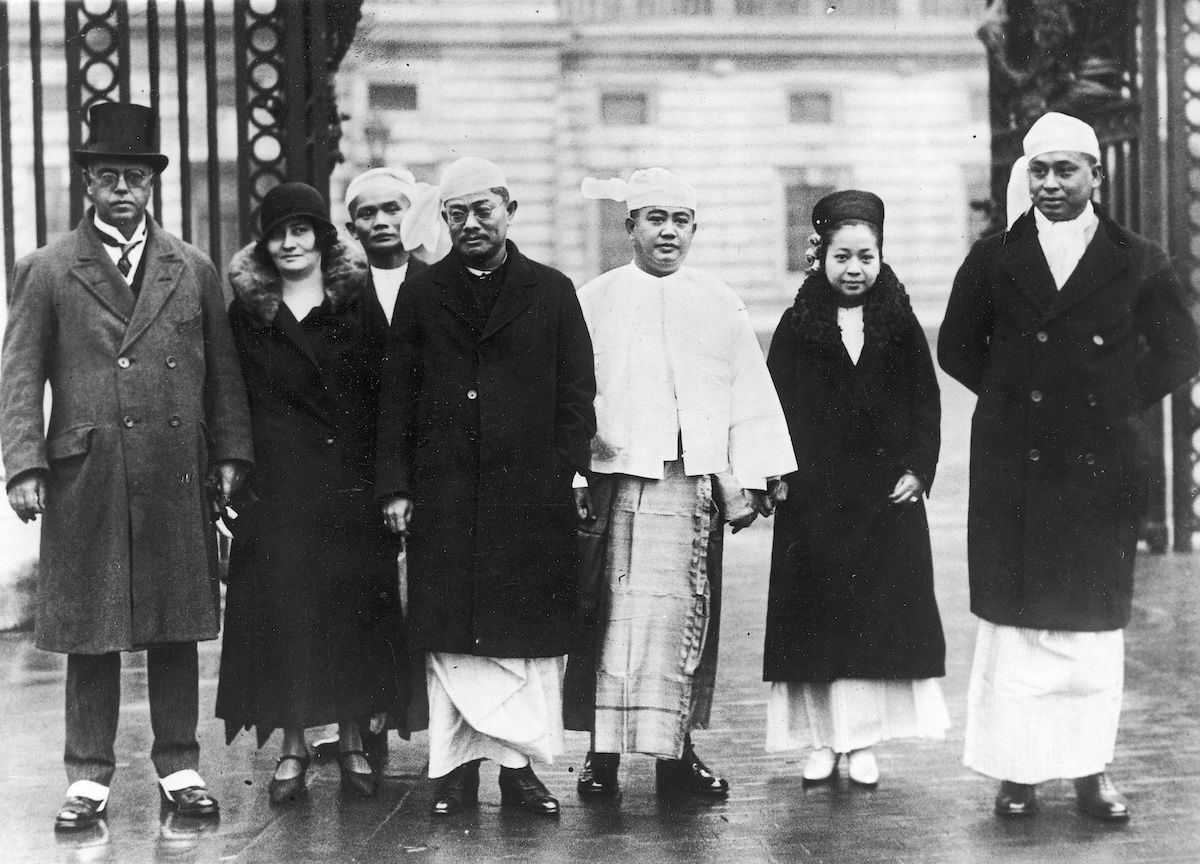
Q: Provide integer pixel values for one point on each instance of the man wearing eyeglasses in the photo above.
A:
(484, 419)
(149, 433)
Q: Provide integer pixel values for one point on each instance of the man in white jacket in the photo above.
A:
(690, 435)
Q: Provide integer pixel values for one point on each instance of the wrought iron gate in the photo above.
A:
(243, 91)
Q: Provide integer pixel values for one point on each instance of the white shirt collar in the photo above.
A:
(104, 228)
(1080, 224)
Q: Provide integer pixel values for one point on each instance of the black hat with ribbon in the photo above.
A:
(295, 201)
(122, 130)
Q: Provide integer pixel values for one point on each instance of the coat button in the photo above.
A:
(1091, 400)
(186, 478)
(123, 362)
(1098, 339)
(1035, 454)
(1043, 336)
(172, 362)
(174, 421)
(1090, 459)
(471, 394)
(128, 421)
(1036, 395)
(330, 441)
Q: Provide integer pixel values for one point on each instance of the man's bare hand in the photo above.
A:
(27, 496)
(225, 479)
(397, 513)
(583, 504)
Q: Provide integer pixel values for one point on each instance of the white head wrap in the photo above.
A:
(422, 224)
(1051, 132)
(645, 187)
(470, 174)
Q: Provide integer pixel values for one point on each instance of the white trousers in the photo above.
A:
(508, 710)
(1043, 704)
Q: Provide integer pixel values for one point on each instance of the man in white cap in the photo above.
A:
(486, 414)
(1067, 327)
(689, 431)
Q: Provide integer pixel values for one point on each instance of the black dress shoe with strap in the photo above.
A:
(457, 790)
(78, 812)
(360, 783)
(520, 787)
(1016, 799)
(288, 789)
(688, 776)
(598, 777)
(1098, 797)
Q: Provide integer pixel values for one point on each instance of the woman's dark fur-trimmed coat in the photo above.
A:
(851, 593)
(483, 428)
(1059, 447)
(309, 637)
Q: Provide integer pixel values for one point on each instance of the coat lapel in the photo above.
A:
(1102, 260)
(516, 294)
(453, 295)
(1023, 260)
(163, 267)
(96, 272)
(287, 324)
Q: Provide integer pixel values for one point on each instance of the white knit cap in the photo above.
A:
(645, 187)
(470, 174)
(1050, 133)
(398, 180)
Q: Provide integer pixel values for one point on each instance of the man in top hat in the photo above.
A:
(1068, 327)
(485, 416)
(149, 431)
(689, 434)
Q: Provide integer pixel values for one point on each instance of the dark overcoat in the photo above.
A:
(310, 635)
(851, 592)
(1059, 447)
(375, 305)
(483, 429)
(146, 394)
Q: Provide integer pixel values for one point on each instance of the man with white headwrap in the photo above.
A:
(485, 416)
(690, 433)
(1068, 327)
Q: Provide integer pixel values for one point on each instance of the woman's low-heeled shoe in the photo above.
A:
(290, 788)
(363, 785)
(862, 767)
(457, 790)
(520, 787)
(820, 766)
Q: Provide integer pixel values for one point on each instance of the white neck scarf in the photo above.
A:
(1063, 243)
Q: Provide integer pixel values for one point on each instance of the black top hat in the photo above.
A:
(124, 130)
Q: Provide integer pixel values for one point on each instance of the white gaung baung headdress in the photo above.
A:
(470, 174)
(1051, 132)
(645, 187)
(422, 225)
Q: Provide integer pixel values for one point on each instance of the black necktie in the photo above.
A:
(123, 263)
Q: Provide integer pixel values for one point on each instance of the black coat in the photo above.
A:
(378, 319)
(483, 430)
(1059, 450)
(308, 639)
(851, 593)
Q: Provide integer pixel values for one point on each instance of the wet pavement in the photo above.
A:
(927, 807)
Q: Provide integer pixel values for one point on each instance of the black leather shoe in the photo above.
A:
(520, 787)
(1098, 797)
(598, 778)
(77, 813)
(457, 790)
(688, 776)
(364, 785)
(193, 801)
(1016, 799)
(291, 788)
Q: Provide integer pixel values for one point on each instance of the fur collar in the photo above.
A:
(886, 313)
(258, 287)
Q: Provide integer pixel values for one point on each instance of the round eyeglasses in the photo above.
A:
(135, 178)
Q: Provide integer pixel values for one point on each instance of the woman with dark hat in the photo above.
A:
(304, 638)
(854, 640)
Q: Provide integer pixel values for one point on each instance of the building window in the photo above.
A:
(624, 109)
(799, 198)
(392, 97)
(810, 106)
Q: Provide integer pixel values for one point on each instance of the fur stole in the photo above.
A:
(259, 289)
(887, 314)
